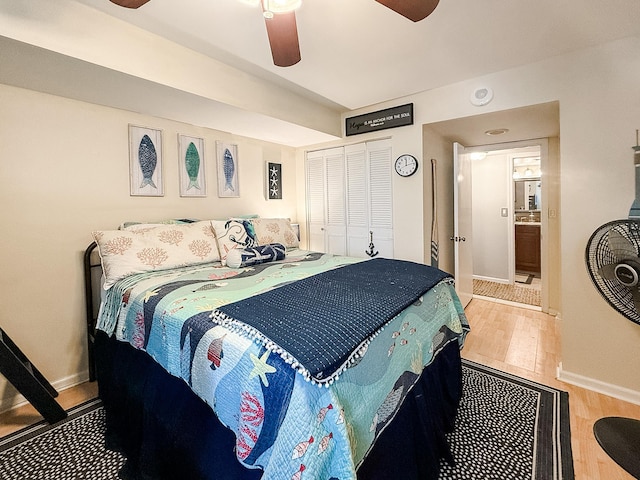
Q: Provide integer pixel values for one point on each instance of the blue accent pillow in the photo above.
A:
(244, 257)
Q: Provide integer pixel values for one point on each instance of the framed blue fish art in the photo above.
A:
(191, 165)
(227, 157)
(145, 161)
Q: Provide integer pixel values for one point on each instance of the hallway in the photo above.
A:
(525, 292)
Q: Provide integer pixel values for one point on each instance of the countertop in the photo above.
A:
(529, 223)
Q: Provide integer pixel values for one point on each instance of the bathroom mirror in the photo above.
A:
(527, 194)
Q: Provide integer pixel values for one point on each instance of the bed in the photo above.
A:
(247, 357)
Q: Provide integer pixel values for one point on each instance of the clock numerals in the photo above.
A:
(406, 165)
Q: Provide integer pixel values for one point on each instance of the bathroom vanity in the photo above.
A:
(528, 246)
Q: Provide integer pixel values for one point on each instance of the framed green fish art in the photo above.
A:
(145, 161)
(191, 166)
(227, 158)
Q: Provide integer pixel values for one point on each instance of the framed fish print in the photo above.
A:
(145, 161)
(274, 181)
(227, 157)
(191, 165)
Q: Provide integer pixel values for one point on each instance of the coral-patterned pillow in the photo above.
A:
(125, 252)
(275, 230)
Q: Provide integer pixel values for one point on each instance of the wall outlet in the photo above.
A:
(552, 213)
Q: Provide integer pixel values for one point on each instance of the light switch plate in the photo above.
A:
(504, 212)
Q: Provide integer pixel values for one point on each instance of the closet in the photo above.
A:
(350, 199)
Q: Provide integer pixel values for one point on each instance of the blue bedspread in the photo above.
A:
(284, 424)
(322, 321)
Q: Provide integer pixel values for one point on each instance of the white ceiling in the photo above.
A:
(357, 53)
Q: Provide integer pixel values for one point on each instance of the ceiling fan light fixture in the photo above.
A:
(478, 155)
(496, 131)
(280, 6)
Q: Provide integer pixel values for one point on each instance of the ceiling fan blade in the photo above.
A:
(622, 248)
(283, 39)
(414, 10)
(130, 3)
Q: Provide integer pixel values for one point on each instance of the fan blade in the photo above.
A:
(635, 293)
(622, 248)
(608, 272)
(283, 39)
(130, 3)
(414, 10)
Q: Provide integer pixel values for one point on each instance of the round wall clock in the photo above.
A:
(406, 165)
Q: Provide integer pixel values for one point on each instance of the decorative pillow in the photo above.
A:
(275, 230)
(252, 256)
(125, 252)
(144, 225)
(233, 233)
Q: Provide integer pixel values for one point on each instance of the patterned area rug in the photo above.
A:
(71, 449)
(507, 427)
(504, 291)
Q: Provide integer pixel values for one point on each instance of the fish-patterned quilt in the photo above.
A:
(286, 425)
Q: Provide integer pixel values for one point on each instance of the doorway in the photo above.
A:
(508, 249)
(477, 132)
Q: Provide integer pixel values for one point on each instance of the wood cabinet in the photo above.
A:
(528, 248)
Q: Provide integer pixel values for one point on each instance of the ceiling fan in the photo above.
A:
(280, 19)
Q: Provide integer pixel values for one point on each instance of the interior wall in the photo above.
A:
(438, 148)
(599, 104)
(490, 179)
(551, 196)
(408, 217)
(64, 172)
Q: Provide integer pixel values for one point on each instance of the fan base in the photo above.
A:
(620, 438)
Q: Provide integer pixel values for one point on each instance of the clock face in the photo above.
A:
(406, 165)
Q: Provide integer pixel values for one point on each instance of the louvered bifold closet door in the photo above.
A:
(357, 200)
(336, 203)
(316, 201)
(381, 196)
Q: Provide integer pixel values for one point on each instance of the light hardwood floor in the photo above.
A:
(516, 340)
(527, 343)
(26, 415)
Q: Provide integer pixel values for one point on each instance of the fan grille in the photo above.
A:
(599, 254)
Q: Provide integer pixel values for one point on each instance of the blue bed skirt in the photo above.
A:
(167, 432)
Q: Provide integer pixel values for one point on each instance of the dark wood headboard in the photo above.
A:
(92, 274)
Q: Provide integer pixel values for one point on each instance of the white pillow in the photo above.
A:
(125, 252)
(231, 234)
(275, 230)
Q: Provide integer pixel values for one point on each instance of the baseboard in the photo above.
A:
(491, 279)
(608, 389)
(18, 400)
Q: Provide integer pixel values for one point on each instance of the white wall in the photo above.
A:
(491, 231)
(64, 172)
(597, 89)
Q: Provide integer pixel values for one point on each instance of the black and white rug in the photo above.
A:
(507, 428)
(71, 449)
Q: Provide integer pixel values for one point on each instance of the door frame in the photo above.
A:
(543, 144)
